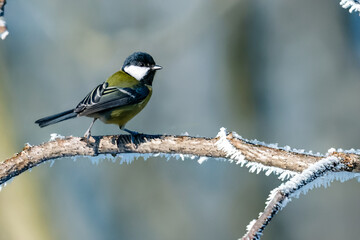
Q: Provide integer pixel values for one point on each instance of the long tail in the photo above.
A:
(43, 122)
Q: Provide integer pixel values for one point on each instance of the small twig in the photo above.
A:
(319, 174)
(3, 29)
(256, 227)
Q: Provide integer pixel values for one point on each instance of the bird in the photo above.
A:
(117, 100)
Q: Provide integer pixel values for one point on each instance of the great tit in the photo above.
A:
(119, 98)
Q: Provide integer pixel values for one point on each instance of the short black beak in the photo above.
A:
(156, 67)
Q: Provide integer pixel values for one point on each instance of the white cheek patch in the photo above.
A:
(136, 71)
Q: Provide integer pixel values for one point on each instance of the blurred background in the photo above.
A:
(279, 71)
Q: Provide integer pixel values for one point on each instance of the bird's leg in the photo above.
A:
(88, 132)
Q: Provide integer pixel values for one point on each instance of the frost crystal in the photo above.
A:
(55, 136)
(250, 225)
(128, 158)
(276, 146)
(4, 34)
(52, 163)
(202, 159)
(353, 5)
(320, 174)
(350, 151)
(235, 155)
(5, 184)
(330, 151)
(28, 145)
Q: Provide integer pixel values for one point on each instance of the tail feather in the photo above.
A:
(43, 122)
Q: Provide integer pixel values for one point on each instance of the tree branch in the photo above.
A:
(305, 168)
(31, 156)
(318, 174)
(102, 145)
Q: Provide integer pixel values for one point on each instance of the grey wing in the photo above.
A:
(103, 98)
(92, 98)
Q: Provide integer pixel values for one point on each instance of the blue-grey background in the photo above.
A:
(280, 71)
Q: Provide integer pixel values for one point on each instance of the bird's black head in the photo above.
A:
(140, 59)
(141, 66)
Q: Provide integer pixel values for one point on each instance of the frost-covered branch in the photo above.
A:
(3, 29)
(255, 155)
(352, 5)
(306, 169)
(319, 174)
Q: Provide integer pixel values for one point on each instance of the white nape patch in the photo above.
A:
(137, 71)
(351, 4)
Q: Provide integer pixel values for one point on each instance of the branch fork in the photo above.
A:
(305, 170)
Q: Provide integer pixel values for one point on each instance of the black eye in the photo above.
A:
(141, 64)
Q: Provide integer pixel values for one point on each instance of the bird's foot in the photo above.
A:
(131, 132)
(132, 135)
(87, 136)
